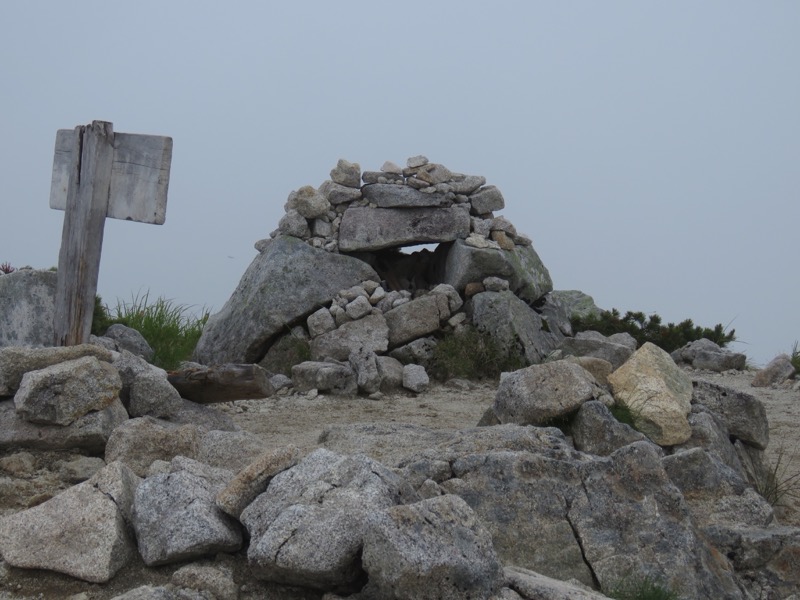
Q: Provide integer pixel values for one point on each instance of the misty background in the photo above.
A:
(650, 151)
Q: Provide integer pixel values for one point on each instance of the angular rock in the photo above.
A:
(744, 415)
(337, 193)
(710, 433)
(595, 344)
(16, 361)
(127, 338)
(514, 325)
(81, 532)
(527, 276)
(631, 518)
(453, 297)
(326, 377)
(365, 228)
(307, 528)
(435, 549)
(390, 370)
(62, 393)
(539, 394)
(657, 393)
(287, 281)
(254, 478)
(419, 352)
(27, 307)
(294, 224)
(139, 442)
(232, 450)
(599, 368)
(79, 469)
(576, 303)
(90, 432)
(715, 493)
(415, 378)
(358, 308)
(386, 195)
(533, 585)
(347, 174)
(486, 200)
(705, 354)
(370, 333)
(778, 370)
(320, 322)
(595, 430)
(308, 203)
(365, 364)
(176, 518)
(417, 318)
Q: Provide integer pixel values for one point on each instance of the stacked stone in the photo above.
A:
(457, 206)
(364, 322)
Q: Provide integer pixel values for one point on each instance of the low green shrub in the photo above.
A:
(795, 357)
(472, 354)
(171, 329)
(650, 328)
(643, 588)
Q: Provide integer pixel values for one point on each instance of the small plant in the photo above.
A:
(170, 329)
(623, 414)
(473, 354)
(795, 357)
(6, 268)
(645, 328)
(644, 588)
(778, 481)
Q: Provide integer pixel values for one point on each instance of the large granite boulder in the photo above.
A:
(16, 361)
(707, 355)
(308, 527)
(435, 549)
(27, 308)
(778, 370)
(89, 433)
(176, 517)
(82, 532)
(542, 394)
(657, 393)
(62, 393)
(527, 276)
(594, 344)
(286, 282)
(514, 325)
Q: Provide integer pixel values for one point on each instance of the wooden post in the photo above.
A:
(82, 235)
(99, 174)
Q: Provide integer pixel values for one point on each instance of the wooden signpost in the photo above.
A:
(99, 174)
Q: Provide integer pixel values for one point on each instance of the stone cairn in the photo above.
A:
(335, 216)
(333, 275)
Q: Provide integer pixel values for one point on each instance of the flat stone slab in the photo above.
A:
(366, 228)
(387, 195)
(90, 432)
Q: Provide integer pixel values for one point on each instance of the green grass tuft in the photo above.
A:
(777, 482)
(171, 329)
(645, 588)
(472, 354)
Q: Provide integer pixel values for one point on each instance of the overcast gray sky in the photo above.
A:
(650, 150)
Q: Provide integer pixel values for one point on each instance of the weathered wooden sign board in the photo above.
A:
(99, 174)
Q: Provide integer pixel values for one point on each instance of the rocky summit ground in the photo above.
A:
(28, 478)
